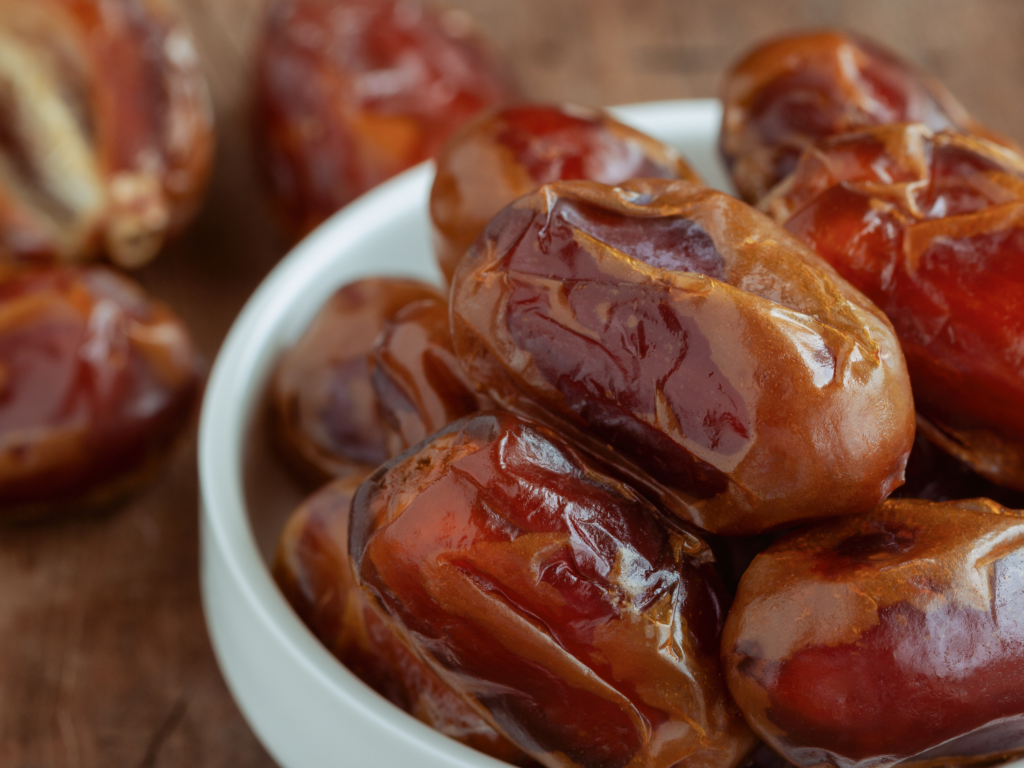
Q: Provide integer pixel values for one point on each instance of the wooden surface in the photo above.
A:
(104, 656)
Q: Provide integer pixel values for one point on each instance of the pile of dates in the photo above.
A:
(666, 478)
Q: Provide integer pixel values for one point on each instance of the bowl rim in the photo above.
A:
(233, 393)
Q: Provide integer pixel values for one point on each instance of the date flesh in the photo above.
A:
(97, 380)
(735, 377)
(106, 129)
(789, 93)
(896, 636)
(416, 376)
(312, 568)
(326, 417)
(931, 227)
(351, 92)
(551, 596)
(509, 152)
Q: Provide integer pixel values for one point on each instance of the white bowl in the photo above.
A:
(305, 707)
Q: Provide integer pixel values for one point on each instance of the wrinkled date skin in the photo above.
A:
(312, 568)
(931, 228)
(553, 598)
(419, 382)
(97, 381)
(896, 636)
(326, 418)
(106, 129)
(794, 91)
(507, 153)
(351, 92)
(736, 378)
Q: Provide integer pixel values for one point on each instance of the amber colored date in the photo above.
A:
(326, 417)
(737, 379)
(417, 378)
(896, 636)
(97, 380)
(792, 92)
(106, 133)
(509, 152)
(351, 92)
(931, 227)
(312, 568)
(550, 596)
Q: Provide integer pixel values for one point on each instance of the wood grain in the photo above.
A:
(104, 657)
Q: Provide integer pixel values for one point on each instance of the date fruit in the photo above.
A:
(417, 378)
(551, 597)
(106, 129)
(892, 637)
(931, 227)
(507, 153)
(326, 417)
(794, 91)
(351, 92)
(97, 380)
(314, 572)
(685, 339)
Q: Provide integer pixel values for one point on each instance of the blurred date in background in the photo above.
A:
(104, 658)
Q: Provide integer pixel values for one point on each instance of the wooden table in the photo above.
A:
(104, 656)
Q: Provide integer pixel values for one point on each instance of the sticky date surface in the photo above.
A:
(736, 378)
(312, 568)
(351, 92)
(931, 227)
(894, 636)
(326, 418)
(550, 596)
(96, 382)
(792, 92)
(507, 153)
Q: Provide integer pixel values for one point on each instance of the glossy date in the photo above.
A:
(326, 417)
(931, 227)
(509, 152)
(896, 636)
(97, 380)
(736, 379)
(351, 92)
(313, 570)
(419, 383)
(550, 595)
(794, 91)
(106, 132)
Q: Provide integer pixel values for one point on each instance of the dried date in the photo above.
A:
(312, 568)
(509, 152)
(549, 596)
(106, 132)
(97, 380)
(734, 376)
(892, 637)
(351, 92)
(326, 419)
(931, 227)
(792, 92)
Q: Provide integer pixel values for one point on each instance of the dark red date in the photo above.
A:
(507, 153)
(351, 92)
(792, 92)
(326, 417)
(106, 132)
(736, 378)
(312, 568)
(892, 637)
(97, 380)
(549, 596)
(418, 380)
(931, 228)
